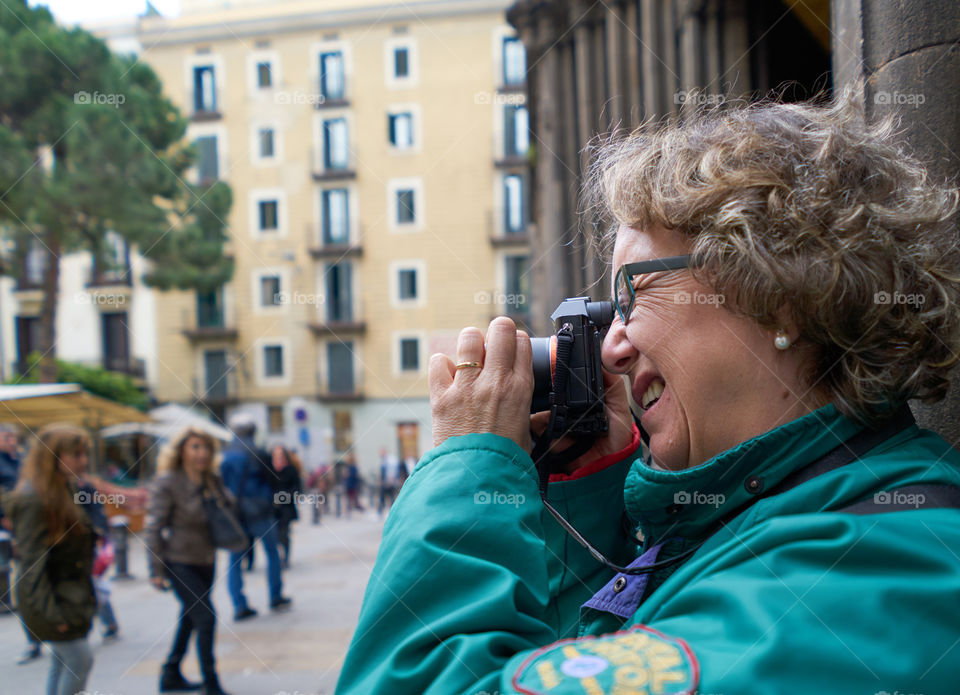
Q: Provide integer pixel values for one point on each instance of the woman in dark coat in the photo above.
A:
(289, 486)
(55, 541)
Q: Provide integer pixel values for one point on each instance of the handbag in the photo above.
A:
(226, 531)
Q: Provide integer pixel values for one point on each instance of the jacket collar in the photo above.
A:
(691, 502)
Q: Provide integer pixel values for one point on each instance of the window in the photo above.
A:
(401, 62)
(210, 309)
(116, 342)
(112, 263)
(517, 283)
(207, 167)
(272, 361)
(28, 339)
(514, 61)
(34, 265)
(265, 141)
(264, 74)
(406, 213)
(409, 354)
(268, 215)
(270, 290)
(340, 367)
(335, 216)
(515, 213)
(335, 151)
(342, 430)
(516, 130)
(332, 87)
(339, 292)
(407, 278)
(400, 130)
(215, 370)
(275, 418)
(204, 89)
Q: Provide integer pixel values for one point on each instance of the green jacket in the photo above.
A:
(474, 583)
(54, 583)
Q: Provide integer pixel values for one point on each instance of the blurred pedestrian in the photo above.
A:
(390, 478)
(89, 497)
(9, 472)
(289, 487)
(248, 473)
(55, 540)
(181, 551)
(352, 484)
(318, 483)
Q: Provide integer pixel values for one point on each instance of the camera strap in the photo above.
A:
(845, 453)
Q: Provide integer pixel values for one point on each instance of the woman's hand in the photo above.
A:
(159, 583)
(492, 397)
(617, 407)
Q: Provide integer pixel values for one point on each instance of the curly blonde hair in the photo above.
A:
(170, 457)
(805, 206)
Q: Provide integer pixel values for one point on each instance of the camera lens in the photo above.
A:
(544, 360)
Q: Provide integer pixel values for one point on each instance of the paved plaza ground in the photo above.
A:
(299, 652)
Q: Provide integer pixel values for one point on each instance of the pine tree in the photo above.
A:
(90, 145)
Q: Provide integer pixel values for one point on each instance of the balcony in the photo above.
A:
(323, 170)
(513, 160)
(207, 326)
(339, 328)
(215, 392)
(321, 250)
(501, 237)
(347, 391)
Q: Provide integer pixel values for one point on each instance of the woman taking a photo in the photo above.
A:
(55, 542)
(785, 280)
(181, 550)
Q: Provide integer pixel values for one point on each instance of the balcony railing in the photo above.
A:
(213, 326)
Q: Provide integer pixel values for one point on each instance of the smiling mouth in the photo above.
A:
(652, 394)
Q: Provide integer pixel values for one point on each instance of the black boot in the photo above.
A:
(212, 687)
(172, 681)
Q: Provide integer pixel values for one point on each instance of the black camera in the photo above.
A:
(567, 371)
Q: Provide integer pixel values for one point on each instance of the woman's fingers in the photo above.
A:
(440, 374)
(501, 347)
(469, 352)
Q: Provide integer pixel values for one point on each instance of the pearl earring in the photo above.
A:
(782, 340)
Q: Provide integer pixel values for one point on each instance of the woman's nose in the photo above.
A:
(618, 353)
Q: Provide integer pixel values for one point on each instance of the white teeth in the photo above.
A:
(653, 392)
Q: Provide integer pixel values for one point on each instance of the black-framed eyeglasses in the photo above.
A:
(623, 294)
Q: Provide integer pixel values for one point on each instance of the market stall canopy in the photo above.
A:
(35, 405)
(167, 421)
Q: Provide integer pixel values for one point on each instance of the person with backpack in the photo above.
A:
(248, 473)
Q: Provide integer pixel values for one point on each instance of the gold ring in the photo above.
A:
(464, 365)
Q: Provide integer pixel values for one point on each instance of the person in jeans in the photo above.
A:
(55, 541)
(181, 551)
(248, 473)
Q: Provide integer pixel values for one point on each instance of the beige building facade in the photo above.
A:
(377, 154)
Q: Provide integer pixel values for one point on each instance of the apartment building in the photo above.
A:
(377, 154)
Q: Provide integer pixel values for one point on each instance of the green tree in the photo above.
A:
(116, 387)
(89, 144)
